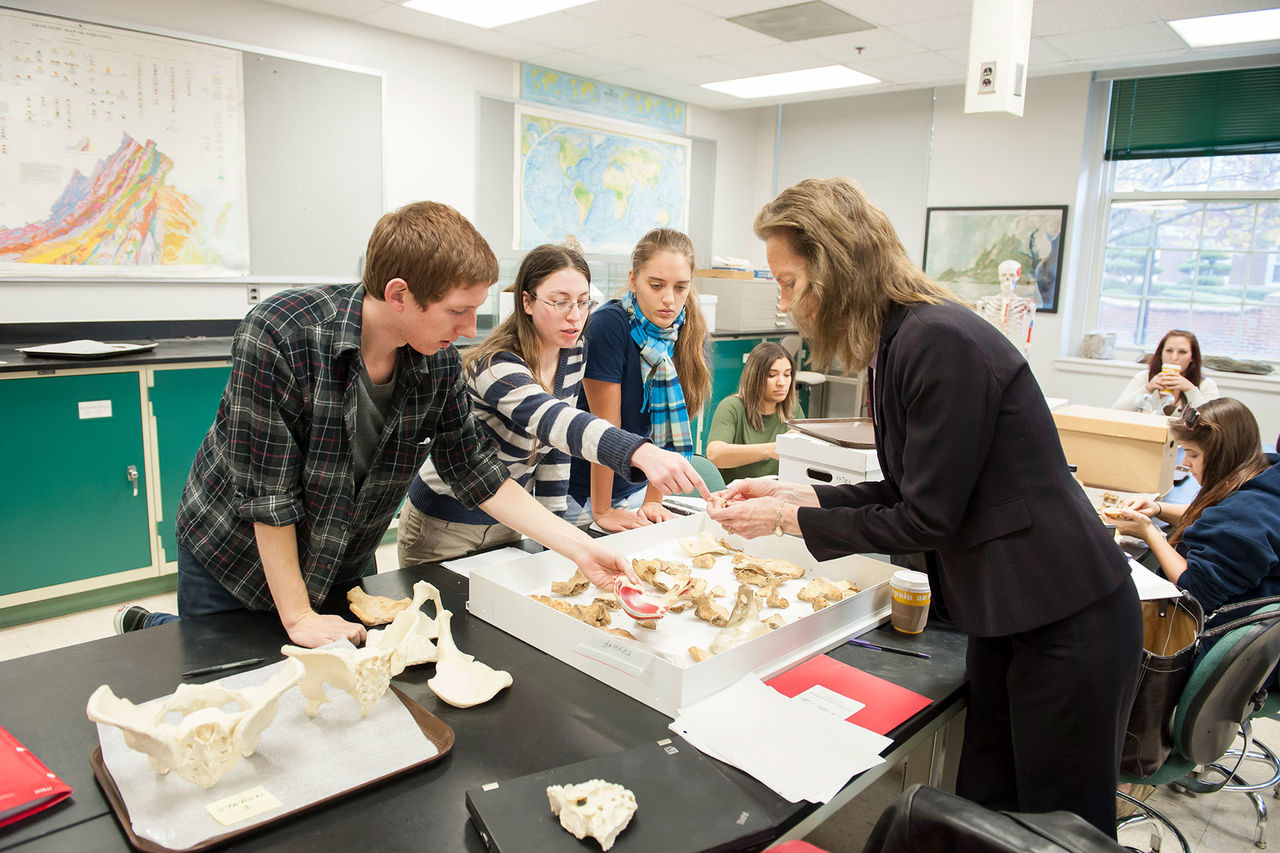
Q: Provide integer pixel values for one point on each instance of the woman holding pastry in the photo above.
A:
(523, 382)
(1172, 380)
(976, 479)
(745, 425)
(646, 373)
(1224, 546)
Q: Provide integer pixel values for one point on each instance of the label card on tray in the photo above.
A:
(244, 805)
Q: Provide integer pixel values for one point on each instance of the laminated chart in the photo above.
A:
(121, 153)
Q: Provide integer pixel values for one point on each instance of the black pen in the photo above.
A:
(879, 648)
(219, 667)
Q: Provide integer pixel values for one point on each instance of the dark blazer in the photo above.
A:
(974, 472)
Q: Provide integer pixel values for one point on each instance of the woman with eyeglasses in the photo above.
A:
(1172, 380)
(646, 372)
(523, 382)
(1224, 546)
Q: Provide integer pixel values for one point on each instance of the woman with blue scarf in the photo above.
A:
(647, 373)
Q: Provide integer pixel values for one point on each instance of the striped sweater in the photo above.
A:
(536, 434)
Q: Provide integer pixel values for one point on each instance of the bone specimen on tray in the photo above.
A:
(364, 674)
(703, 543)
(769, 565)
(460, 679)
(595, 614)
(647, 624)
(774, 598)
(775, 621)
(680, 607)
(698, 654)
(208, 740)
(596, 808)
(717, 591)
(412, 643)
(744, 623)
(374, 609)
(609, 600)
(576, 584)
(704, 561)
(708, 611)
(620, 632)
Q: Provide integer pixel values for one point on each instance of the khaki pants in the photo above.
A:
(426, 539)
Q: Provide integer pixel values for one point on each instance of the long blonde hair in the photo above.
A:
(755, 376)
(517, 333)
(691, 347)
(857, 268)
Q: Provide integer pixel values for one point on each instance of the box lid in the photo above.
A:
(807, 448)
(1112, 422)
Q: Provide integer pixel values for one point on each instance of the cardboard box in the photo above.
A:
(733, 273)
(656, 669)
(1113, 449)
(805, 459)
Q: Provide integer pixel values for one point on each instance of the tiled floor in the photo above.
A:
(1213, 823)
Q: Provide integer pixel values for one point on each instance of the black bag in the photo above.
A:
(926, 820)
(1170, 629)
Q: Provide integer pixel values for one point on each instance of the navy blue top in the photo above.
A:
(1233, 548)
(612, 357)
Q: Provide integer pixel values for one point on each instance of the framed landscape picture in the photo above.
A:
(963, 247)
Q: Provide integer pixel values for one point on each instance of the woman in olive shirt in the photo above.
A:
(741, 442)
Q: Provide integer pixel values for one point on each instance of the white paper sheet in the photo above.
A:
(799, 751)
(464, 565)
(1151, 585)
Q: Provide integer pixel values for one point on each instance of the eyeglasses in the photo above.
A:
(564, 306)
(1191, 417)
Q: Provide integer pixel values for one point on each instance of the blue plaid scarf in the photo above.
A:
(663, 398)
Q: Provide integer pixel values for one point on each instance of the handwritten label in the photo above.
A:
(242, 806)
(615, 654)
(833, 703)
(95, 409)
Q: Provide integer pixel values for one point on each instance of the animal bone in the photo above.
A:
(576, 584)
(821, 588)
(698, 654)
(460, 679)
(709, 611)
(364, 674)
(775, 599)
(208, 741)
(634, 604)
(413, 644)
(744, 623)
(704, 561)
(597, 808)
(703, 543)
(374, 609)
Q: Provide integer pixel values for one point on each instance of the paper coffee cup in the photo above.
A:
(1170, 368)
(909, 610)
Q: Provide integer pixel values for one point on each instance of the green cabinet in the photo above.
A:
(75, 500)
(183, 403)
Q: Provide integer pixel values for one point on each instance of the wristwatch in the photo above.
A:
(777, 524)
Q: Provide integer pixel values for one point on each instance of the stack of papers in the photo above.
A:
(1151, 585)
(798, 750)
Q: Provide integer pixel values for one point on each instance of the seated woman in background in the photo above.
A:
(1171, 392)
(1224, 546)
(523, 382)
(742, 433)
(647, 373)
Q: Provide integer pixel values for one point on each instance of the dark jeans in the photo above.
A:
(199, 594)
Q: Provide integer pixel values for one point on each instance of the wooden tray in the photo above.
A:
(846, 432)
(433, 729)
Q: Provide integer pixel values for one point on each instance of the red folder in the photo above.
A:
(886, 705)
(26, 785)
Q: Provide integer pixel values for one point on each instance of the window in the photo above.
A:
(1193, 222)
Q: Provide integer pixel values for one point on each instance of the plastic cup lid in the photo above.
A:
(908, 580)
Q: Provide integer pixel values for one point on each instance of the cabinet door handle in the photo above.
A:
(131, 474)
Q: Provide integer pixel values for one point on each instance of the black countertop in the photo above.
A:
(167, 351)
(553, 715)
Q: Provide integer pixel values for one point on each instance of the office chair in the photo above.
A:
(709, 473)
(793, 344)
(1260, 753)
(1224, 690)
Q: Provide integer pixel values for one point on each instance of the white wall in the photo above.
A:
(431, 99)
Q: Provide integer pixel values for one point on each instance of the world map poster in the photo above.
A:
(121, 153)
(605, 186)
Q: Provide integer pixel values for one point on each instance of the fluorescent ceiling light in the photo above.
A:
(792, 82)
(1236, 28)
(491, 13)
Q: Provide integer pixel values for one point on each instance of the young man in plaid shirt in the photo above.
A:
(336, 396)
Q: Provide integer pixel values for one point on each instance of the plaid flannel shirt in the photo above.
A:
(280, 448)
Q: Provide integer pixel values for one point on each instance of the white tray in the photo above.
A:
(657, 669)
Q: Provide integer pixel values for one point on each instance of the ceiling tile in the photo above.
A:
(772, 59)
(889, 12)
(653, 16)
(910, 69)
(714, 36)
(1055, 17)
(336, 8)
(564, 31)
(1173, 10)
(875, 44)
(937, 33)
(637, 51)
(504, 45)
(572, 62)
(1044, 55)
(702, 69)
(402, 20)
(729, 8)
(1118, 42)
